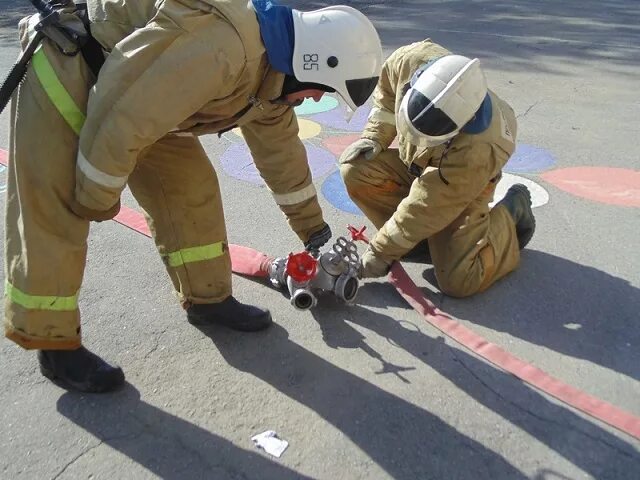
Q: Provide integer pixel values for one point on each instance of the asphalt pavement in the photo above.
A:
(372, 391)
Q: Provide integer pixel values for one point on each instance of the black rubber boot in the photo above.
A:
(230, 313)
(419, 254)
(518, 203)
(80, 369)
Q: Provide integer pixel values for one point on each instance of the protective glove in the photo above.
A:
(94, 215)
(373, 265)
(318, 238)
(369, 148)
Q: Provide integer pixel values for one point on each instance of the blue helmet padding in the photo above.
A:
(278, 35)
(482, 119)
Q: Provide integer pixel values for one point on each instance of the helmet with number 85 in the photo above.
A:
(339, 48)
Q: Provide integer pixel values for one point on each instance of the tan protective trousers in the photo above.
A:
(46, 244)
(478, 248)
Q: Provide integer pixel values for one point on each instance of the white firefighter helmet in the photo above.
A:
(444, 95)
(337, 47)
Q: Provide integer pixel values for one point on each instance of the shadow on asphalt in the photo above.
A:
(572, 31)
(166, 445)
(406, 441)
(11, 11)
(524, 32)
(573, 309)
(581, 442)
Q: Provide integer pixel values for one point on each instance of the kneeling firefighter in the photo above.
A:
(433, 192)
(172, 70)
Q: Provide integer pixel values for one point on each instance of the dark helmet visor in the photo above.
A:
(432, 122)
(361, 89)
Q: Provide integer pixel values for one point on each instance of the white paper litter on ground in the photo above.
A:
(270, 442)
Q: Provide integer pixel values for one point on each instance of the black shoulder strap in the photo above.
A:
(91, 50)
(93, 55)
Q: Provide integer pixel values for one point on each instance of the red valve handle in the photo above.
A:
(357, 235)
(302, 267)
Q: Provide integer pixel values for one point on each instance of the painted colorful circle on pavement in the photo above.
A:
(336, 120)
(334, 190)
(338, 143)
(311, 107)
(308, 129)
(238, 163)
(529, 159)
(613, 186)
(539, 196)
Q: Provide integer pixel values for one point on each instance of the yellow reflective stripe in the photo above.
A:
(40, 302)
(196, 254)
(56, 91)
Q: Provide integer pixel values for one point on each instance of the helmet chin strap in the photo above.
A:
(293, 85)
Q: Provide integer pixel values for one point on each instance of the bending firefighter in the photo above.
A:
(173, 70)
(433, 193)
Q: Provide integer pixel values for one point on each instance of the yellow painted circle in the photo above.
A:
(308, 129)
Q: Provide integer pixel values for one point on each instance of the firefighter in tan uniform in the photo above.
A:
(173, 70)
(433, 193)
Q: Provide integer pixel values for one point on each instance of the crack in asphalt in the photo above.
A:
(93, 447)
(157, 343)
(76, 458)
(539, 417)
(529, 109)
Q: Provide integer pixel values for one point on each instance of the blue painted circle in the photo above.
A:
(237, 162)
(335, 192)
(336, 119)
(529, 159)
(311, 107)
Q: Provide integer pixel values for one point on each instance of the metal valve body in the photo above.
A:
(335, 271)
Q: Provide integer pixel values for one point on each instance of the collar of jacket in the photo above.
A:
(271, 86)
(276, 31)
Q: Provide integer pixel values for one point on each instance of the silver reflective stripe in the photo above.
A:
(382, 116)
(396, 235)
(31, 26)
(98, 176)
(296, 197)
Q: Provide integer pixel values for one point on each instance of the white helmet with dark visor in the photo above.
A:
(443, 96)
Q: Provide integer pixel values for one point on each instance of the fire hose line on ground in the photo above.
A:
(248, 261)
(599, 409)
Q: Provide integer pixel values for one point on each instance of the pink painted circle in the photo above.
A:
(338, 143)
(613, 186)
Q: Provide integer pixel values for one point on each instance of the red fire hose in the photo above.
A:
(247, 261)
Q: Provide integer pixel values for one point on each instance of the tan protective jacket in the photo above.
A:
(468, 164)
(194, 67)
